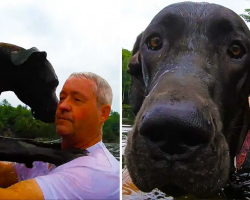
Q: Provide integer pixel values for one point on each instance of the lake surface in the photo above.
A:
(114, 148)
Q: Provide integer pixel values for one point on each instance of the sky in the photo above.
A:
(77, 35)
(84, 35)
(137, 14)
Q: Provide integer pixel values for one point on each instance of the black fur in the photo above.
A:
(190, 96)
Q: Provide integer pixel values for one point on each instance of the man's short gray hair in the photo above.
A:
(103, 90)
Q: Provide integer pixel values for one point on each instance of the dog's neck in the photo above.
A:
(6, 85)
(9, 77)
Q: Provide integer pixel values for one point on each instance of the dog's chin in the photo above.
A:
(201, 175)
(176, 192)
(46, 115)
(173, 190)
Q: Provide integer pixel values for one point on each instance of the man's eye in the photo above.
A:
(77, 99)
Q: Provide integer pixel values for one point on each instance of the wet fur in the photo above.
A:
(195, 41)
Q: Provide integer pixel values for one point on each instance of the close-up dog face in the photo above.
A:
(189, 91)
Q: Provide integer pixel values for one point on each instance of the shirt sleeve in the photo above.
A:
(22, 171)
(79, 183)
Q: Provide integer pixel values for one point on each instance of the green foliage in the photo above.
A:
(111, 128)
(246, 16)
(18, 122)
(126, 79)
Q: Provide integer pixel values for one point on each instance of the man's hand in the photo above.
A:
(23, 190)
(8, 175)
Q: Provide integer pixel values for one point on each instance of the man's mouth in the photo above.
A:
(64, 119)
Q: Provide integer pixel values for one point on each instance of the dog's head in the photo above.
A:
(190, 87)
(32, 79)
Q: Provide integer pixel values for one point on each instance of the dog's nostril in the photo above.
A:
(174, 130)
(176, 141)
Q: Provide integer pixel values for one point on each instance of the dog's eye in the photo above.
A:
(154, 43)
(236, 50)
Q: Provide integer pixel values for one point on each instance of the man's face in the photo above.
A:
(77, 111)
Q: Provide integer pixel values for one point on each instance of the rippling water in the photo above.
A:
(114, 148)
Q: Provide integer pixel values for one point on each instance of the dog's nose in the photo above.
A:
(176, 128)
(52, 83)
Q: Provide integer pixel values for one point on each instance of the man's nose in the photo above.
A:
(64, 105)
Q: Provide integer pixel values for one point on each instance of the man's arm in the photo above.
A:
(8, 175)
(70, 183)
(28, 190)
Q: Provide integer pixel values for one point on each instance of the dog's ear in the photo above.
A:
(20, 57)
(137, 88)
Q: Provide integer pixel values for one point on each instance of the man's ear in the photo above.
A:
(105, 112)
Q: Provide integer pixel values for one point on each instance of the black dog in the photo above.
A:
(190, 85)
(32, 78)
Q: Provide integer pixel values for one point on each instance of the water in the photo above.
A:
(114, 149)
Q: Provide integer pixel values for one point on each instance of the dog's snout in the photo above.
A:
(52, 83)
(175, 128)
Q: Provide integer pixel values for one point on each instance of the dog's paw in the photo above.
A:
(74, 153)
(65, 156)
(81, 152)
(29, 165)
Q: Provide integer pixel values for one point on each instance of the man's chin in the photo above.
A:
(63, 131)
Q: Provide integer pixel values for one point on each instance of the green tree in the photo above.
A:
(126, 79)
(246, 16)
(5, 103)
(111, 128)
(1, 127)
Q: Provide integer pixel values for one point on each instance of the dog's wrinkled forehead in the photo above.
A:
(187, 17)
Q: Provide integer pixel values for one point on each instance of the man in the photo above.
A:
(85, 104)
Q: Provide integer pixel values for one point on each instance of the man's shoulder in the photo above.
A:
(99, 159)
(87, 182)
(105, 159)
(93, 176)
